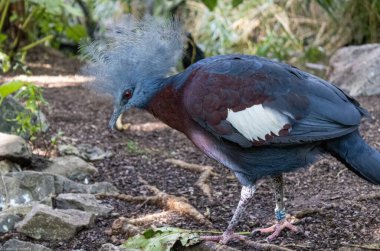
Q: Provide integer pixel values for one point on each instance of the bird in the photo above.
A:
(258, 117)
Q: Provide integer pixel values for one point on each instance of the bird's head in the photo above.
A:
(133, 60)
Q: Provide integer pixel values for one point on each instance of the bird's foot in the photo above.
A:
(224, 238)
(276, 229)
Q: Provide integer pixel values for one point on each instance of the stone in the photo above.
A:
(21, 188)
(84, 202)
(356, 69)
(17, 245)
(14, 148)
(93, 153)
(111, 247)
(8, 221)
(85, 151)
(7, 166)
(71, 167)
(8, 111)
(45, 223)
(19, 210)
(68, 149)
(65, 185)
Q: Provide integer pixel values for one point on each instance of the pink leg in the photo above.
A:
(282, 223)
(276, 229)
(229, 235)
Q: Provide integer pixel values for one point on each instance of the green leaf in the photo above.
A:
(76, 32)
(52, 7)
(5, 62)
(236, 3)
(211, 4)
(162, 239)
(11, 87)
(3, 37)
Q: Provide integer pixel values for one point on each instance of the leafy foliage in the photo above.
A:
(26, 24)
(162, 239)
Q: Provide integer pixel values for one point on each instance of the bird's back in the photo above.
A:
(246, 98)
(259, 117)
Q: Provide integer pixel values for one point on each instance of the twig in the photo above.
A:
(169, 202)
(150, 218)
(374, 246)
(206, 173)
(372, 196)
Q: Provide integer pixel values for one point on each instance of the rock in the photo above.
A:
(21, 188)
(8, 221)
(17, 245)
(71, 167)
(84, 202)
(93, 153)
(14, 148)
(85, 151)
(65, 185)
(356, 69)
(8, 111)
(19, 210)
(45, 223)
(7, 166)
(68, 150)
(111, 247)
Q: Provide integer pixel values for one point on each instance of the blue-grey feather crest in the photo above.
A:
(135, 52)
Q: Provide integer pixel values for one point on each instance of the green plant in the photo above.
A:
(26, 24)
(133, 147)
(56, 137)
(28, 120)
(162, 239)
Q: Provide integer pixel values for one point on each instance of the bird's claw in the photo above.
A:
(276, 229)
(224, 238)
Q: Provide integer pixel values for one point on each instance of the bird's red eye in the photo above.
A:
(127, 94)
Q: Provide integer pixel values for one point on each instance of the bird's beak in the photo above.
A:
(115, 115)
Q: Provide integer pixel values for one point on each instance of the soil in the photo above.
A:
(328, 200)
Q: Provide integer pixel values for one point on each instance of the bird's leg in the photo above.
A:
(282, 223)
(245, 197)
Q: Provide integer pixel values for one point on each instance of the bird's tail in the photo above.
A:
(358, 156)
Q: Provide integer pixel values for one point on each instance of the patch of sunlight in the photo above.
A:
(50, 81)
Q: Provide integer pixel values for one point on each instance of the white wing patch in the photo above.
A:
(255, 122)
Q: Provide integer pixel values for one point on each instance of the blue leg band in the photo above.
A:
(280, 214)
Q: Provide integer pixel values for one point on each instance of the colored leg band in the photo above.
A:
(280, 214)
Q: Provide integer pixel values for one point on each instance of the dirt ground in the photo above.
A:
(327, 201)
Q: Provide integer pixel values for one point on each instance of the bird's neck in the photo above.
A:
(167, 105)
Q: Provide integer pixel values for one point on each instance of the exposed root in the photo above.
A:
(169, 202)
(206, 173)
(122, 226)
(265, 247)
(374, 246)
(151, 218)
(372, 196)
